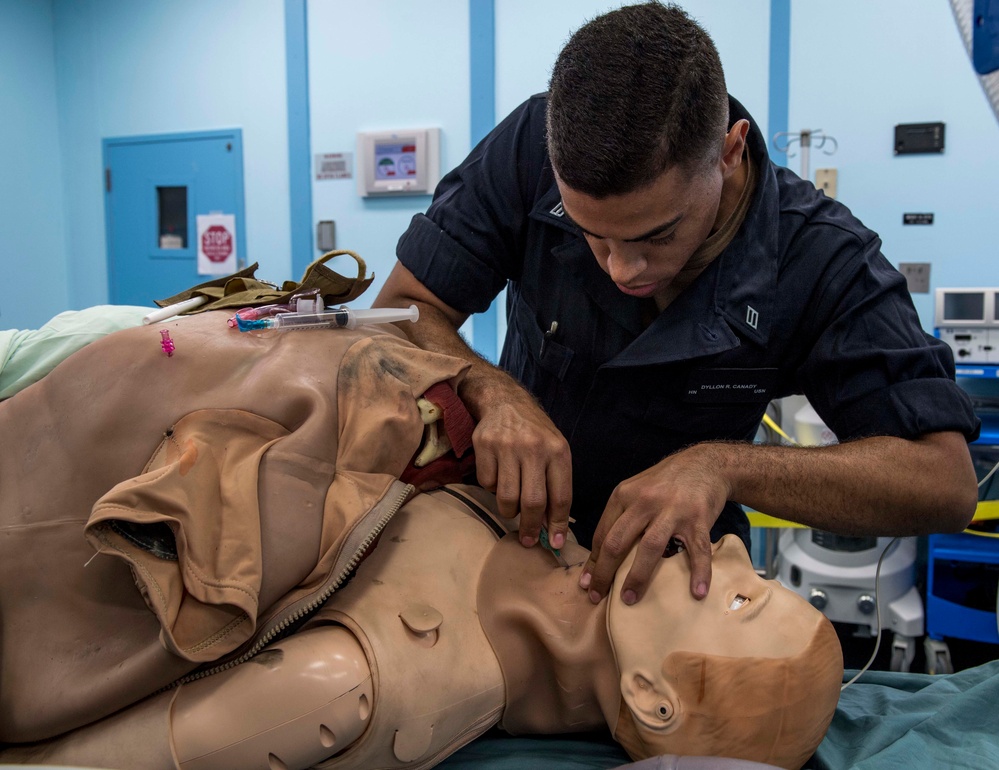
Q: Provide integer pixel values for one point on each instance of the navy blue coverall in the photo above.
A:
(801, 301)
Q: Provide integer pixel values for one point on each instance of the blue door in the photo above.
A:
(155, 188)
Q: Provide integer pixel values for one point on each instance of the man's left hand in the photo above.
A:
(679, 497)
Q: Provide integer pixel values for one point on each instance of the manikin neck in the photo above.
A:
(551, 641)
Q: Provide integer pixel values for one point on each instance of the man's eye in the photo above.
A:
(662, 240)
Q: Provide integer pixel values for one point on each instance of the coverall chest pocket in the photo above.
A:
(704, 422)
(534, 356)
(716, 402)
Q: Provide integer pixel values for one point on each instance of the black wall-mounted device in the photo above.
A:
(911, 138)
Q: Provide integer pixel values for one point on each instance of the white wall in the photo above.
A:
(377, 66)
(129, 68)
(32, 245)
(858, 69)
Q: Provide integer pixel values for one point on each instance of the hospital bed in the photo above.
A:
(885, 720)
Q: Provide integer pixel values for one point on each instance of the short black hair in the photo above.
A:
(634, 92)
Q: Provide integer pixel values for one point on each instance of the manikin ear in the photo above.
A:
(733, 147)
(654, 705)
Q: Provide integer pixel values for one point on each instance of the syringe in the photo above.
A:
(340, 318)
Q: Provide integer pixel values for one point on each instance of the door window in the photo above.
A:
(172, 205)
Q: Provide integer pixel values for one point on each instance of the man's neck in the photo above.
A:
(732, 189)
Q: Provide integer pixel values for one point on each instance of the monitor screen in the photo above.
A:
(964, 306)
(395, 160)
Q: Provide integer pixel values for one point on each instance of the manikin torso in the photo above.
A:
(465, 632)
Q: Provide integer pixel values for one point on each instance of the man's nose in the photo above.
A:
(624, 264)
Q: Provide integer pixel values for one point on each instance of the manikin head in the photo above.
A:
(638, 135)
(752, 671)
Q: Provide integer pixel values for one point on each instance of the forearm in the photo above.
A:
(519, 453)
(874, 486)
(483, 380)
(484, 385)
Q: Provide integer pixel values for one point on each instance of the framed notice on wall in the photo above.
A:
(216, 244)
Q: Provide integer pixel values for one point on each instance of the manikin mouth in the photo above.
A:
(673, 547)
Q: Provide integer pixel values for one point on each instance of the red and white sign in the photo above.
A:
(216, 244)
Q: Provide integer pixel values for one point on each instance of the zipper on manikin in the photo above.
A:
(313, 605)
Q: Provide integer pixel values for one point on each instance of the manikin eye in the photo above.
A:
(738, 601)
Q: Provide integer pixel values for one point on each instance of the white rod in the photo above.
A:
(176, 309)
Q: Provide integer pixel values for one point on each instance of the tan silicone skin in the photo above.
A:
(293, 705)
(296, 703)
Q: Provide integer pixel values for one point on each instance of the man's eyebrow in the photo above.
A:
(658, 230)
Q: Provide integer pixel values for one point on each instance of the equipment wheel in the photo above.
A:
(938, 659)
(903, 651)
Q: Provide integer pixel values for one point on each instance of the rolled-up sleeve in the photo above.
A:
(872, 369)
(471, 239)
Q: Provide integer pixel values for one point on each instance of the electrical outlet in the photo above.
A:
(825, 180)
(326, 235)
(917, 276)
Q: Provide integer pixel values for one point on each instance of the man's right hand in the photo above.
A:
(519, 453)
(522, 457)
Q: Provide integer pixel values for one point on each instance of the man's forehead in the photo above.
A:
(632, 216)
(621, 220)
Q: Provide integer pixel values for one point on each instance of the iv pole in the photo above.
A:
(806, 138)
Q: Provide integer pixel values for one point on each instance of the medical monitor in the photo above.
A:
(966, 307)
(402, 162)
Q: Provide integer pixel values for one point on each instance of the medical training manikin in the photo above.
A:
(267, 593)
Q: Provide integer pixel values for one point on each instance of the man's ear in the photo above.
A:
(734, 146)
(655, 706)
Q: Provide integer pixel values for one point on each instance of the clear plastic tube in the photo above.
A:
(340, 318)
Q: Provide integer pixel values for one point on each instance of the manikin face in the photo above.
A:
(742, 617)
(642, 239)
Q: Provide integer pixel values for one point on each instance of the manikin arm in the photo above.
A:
(520, 454)
(296, 703)
(874, 486)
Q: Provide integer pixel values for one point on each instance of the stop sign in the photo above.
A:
(216, 243)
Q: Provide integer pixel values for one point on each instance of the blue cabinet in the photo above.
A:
(963, 569)
(961, 592)
(981, 382)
